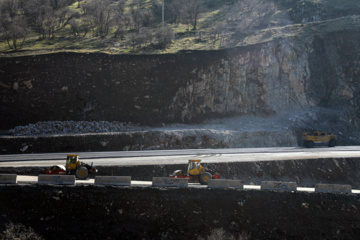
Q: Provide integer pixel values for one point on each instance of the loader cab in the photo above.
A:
(72, 162)
(195, 168)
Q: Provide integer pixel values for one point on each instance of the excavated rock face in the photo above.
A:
(185, 87)
(335, 70)
(261, 79)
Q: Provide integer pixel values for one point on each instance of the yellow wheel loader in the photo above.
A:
(318, 138)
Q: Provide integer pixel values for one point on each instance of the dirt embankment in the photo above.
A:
(144, 140)
(97, 212)
(94, 212)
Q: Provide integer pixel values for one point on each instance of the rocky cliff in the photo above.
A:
(263, 80)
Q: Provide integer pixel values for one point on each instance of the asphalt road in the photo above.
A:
(162, 157)
(177, 157)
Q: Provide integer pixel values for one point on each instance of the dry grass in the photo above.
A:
(200, 39)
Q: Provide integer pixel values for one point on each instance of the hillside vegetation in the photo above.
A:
(136, 26)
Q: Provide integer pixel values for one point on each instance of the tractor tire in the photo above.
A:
(309, 144)
(204, 178)
(332, 143)
(82, 173)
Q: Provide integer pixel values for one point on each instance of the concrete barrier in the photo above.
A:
(169, 182)
(56, 179)
(113, 180)
(280, 186)
(8, 178)
(332, 188)
(225, 183)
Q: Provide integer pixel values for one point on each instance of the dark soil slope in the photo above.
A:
(305, 172)
(154, 213)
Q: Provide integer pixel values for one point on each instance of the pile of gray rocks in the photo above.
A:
(70, 127)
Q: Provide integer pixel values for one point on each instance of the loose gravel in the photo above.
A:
(71, 127)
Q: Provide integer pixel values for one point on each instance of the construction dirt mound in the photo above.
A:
(96, 212)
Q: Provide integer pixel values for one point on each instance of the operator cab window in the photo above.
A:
(71, 159)
(197, 165)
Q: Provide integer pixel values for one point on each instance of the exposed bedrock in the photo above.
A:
(186, 87)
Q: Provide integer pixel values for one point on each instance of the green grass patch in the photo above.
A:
(284, 21)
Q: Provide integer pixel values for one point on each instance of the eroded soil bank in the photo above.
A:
(93, 212)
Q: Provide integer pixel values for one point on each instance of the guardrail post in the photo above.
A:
(225, 183)
(169, 182)
(280, 186)
(8, 178)
(56, 179)
(113, 180)
(332, 188)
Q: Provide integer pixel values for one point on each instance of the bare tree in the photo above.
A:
(139, 3)
(164, 36)
(128, 21)
(141, 18)
(190, 12)
(120, 20)
(10, 7)
(134, 40)
(141, 38)
(138, 18)
(46, 17)
(13, 25)
(146, 36)
(59, 4)
(63, 16)
(217, 31)
(78, 27)
(15, 31)
(99, 14)
(173, 12)
(247, 15)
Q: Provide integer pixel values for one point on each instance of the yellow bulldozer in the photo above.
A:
(310, 139)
